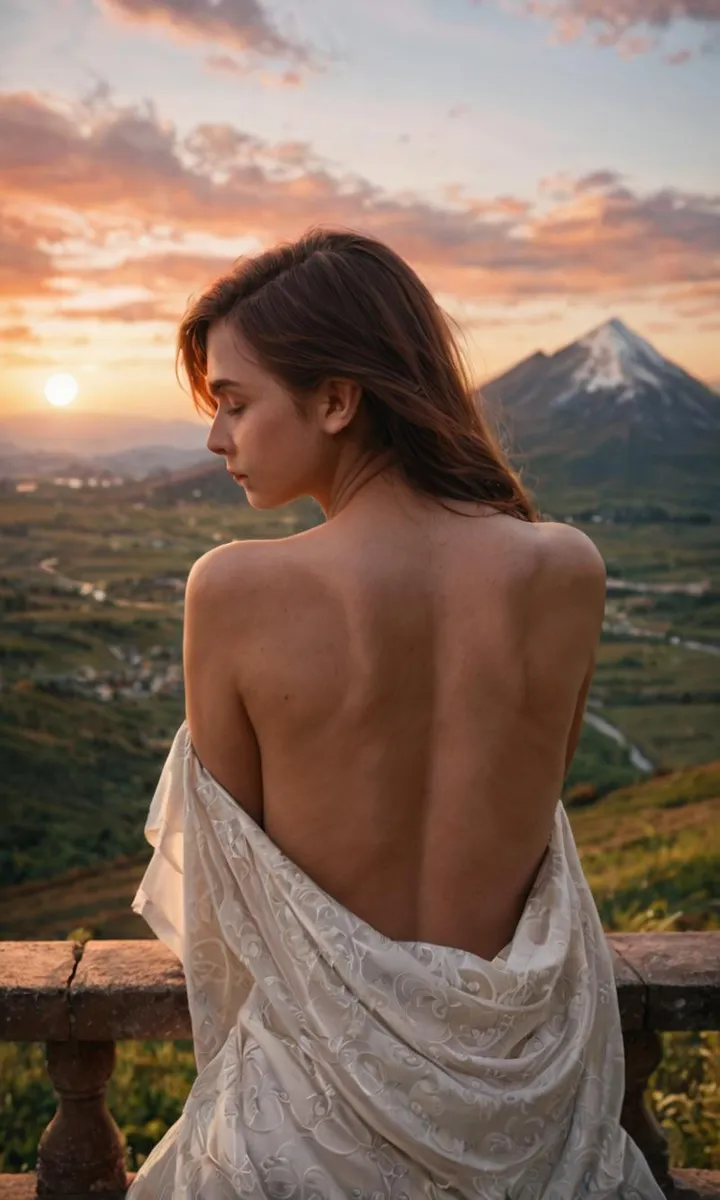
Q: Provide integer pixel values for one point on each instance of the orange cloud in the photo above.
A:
(700, 299)
(18, 358)
(113, 171)
(18, 333)
(133, 311)
(165, 272)
(26, 269)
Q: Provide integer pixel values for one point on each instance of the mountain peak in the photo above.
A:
(608, 387)
(618, 326)
(615, 358)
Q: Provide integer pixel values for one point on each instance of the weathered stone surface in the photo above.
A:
(129, 990)
(23, 1187)
(136, 989)
(17, 1187)
(632, 992)
(682, 974)
(81, 1152)
(34, 977)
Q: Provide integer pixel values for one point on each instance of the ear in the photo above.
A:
(339, 403)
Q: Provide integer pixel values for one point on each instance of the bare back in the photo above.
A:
(412, 679)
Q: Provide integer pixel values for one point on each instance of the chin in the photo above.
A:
(260, 502)
(265, 500)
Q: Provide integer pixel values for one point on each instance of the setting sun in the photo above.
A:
(61, 390)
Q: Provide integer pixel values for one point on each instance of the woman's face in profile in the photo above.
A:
(256, 428)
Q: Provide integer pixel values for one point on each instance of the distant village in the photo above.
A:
(157, 672)
(141, 675)
(73, 482)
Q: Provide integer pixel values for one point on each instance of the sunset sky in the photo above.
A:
(543, 164)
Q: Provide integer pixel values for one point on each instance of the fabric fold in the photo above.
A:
(335, 1062)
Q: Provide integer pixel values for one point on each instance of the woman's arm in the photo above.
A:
(216, 599)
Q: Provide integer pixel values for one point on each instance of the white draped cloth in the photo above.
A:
(335, 1063)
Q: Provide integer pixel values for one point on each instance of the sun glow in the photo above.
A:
(61, 390)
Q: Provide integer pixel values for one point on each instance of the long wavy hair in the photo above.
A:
(338, 304)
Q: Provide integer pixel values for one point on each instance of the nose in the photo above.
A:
(217, 440)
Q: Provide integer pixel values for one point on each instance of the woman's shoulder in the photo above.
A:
(567, 548)
(567, 594)
(545, 553)
(571, 570)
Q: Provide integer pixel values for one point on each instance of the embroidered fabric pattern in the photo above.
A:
(337, 1064)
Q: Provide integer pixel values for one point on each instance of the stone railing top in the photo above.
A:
(100, 991)
(54, 991)
(679, 973)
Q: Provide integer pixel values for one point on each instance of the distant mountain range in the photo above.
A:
(42, 444)
(608, 418)
(604, 420)
(207, 480)
(87, 433)
(139, 462)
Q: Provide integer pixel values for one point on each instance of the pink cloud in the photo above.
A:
(243, 25)
(630, 26)
(113, 171)
(224, 64)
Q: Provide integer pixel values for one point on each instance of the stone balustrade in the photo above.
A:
(80, 1000)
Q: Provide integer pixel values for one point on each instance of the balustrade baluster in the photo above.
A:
(643, 1053)
(81, 1152)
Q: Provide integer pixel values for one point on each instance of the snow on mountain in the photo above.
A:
(617, 359)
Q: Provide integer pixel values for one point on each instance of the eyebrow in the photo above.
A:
(215, 386)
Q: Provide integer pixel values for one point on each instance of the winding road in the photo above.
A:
(637, 758)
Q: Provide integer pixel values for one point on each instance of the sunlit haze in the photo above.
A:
(543, 167)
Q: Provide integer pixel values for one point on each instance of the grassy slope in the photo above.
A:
(78, 777)
(651, 853)
(655, 846)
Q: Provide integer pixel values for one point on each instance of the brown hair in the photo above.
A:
(337, 304)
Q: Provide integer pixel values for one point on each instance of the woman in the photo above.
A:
(397, 977)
